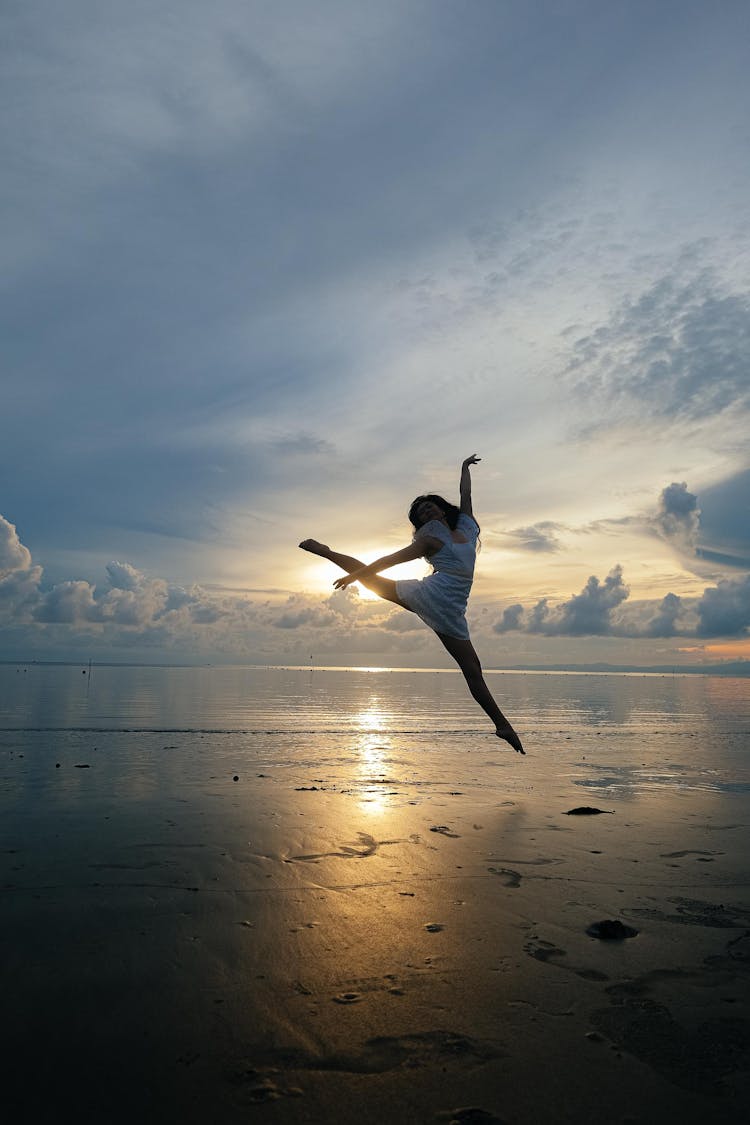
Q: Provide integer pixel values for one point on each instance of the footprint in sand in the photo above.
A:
(257, 1088)
(444, 830)
(543, 950)
(705, 857)
(509, 878)
(447, 1049)
(547, 951)
(368, 846)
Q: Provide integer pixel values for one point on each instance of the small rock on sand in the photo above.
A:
(611, 930)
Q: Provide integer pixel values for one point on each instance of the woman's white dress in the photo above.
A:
(440, 598)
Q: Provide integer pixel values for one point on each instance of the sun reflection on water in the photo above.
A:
(374, 747)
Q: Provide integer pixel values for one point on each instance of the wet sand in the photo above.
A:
(346, 943)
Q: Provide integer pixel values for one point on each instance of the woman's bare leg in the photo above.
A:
(384, 587)
(464, 654)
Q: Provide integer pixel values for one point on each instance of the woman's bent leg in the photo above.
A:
(464, 654)
(384, 587)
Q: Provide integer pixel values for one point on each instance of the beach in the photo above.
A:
(349, 902)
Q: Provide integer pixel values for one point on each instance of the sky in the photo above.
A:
(269, 271)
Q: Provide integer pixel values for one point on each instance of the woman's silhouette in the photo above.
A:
(447, 536)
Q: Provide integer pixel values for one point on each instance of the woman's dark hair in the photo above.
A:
(450, 511)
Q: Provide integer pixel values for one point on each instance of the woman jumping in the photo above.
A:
(447, 536)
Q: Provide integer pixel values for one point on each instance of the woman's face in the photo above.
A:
(427, 511)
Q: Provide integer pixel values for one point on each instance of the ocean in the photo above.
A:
(622, 732)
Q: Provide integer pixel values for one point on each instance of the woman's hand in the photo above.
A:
(342, 583)
(473, 460)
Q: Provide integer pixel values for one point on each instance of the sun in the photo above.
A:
(318, 576)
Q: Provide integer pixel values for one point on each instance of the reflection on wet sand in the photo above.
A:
(377, 922)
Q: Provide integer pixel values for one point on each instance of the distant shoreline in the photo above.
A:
(736, 668)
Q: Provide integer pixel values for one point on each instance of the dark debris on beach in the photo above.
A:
(587, 810)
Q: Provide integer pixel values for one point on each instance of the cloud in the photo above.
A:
(302, 444)
(591, 610)
(696, 534)
(13, 555)
(664, 622)
(19, 578)
(132, 610)
(401, 622)
(539, 537)
(680, 349)
(127, 601)
(511, 619)
(678, 518)
(346, 603)
(123, 576)
(585, 614)
(307, 615)
(725, 515)
(724, 609)
(68, 603)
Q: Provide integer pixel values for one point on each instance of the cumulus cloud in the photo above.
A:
(123, 576)
(678, 518)
(589, 613)
(599, 609)
(68, 603)
(724, 609)
(129, 600)
(401, 622)
(131, 608)
(664, 622)
(511, 619)
(13, 555)
(345, 603)
(19, 578)
(299, 611)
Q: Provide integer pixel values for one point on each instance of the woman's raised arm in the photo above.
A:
(465, 484)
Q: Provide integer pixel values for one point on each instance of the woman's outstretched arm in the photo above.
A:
(422, 545)
(465, 484)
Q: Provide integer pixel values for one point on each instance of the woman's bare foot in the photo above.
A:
(510, 736)
(314, 547)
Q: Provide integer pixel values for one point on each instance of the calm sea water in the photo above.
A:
(610, 733)
(41, 697)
